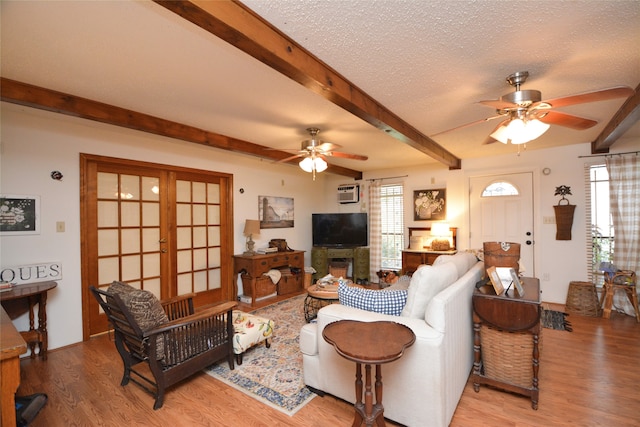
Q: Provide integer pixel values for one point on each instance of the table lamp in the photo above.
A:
(251, 227)
(440, 232)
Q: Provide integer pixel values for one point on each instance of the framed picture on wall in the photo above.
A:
(430, 205)
(19, 214)
(275, 212)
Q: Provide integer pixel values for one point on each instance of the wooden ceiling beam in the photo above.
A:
(621, 122)
(241, 27)
(45, 99)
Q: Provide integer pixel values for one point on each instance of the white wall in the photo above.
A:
(34, 143)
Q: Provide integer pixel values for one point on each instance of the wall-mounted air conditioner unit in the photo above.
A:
(349, 193)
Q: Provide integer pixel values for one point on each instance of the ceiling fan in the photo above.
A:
(314, 152)
(526, 116)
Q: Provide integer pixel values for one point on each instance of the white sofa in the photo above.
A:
(424, 386)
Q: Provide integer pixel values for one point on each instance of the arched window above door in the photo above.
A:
(499, 189)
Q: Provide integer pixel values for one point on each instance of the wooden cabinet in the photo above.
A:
(412, 259)
(321, 257)
(506, 338)
(253, 268)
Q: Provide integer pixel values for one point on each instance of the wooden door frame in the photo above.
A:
(88, 168)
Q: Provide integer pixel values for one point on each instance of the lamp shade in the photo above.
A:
(251, 227)
(440, 229)
(309, 164)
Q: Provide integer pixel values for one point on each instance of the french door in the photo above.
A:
(160, 228)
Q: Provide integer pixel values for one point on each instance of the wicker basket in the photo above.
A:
(339, 269)
(507, 356)
(582, 299)
(264, 286)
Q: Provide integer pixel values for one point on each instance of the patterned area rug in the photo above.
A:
(273, 375)
(552, 319)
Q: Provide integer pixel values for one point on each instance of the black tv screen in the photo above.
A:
(340, 230)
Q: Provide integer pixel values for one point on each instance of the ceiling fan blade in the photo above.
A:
(498, 104)
(567, 120)
(345, 155)
(286, 159)
(598, 95)
(468, 124)
(491, 140)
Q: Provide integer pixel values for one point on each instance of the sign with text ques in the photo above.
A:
(31, 273)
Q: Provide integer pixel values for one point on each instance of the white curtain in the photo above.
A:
(375, 231)
(624, 187)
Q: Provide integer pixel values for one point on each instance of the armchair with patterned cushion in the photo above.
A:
(169, 336)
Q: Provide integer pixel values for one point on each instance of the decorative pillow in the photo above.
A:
(426, 282)
(143, 305)
(462, 260)
(380, 301)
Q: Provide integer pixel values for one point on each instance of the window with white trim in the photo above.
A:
(600, 233)
(392, 225)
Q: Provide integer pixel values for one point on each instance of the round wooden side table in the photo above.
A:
(369, 343)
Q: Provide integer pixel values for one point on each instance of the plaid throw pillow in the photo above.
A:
(380, 301)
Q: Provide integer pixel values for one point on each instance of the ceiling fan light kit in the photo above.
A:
(527, 117)
(313, 151)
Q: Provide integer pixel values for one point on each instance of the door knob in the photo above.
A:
(164, 251)
(163, 240)
(528, 242)
(528, 233)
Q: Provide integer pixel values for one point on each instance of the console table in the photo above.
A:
(26, 296)
(413, 257)
(506, 336)
(254, 266)
(321, 256)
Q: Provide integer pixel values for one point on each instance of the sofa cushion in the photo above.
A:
(426, 282)
(143, 305)
(381, 301)
(462, 260)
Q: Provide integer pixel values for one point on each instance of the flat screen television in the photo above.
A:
(340, 230)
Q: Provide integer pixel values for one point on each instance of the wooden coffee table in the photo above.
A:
(371, 343)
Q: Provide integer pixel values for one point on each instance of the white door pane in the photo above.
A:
(199, 259)
(151, 265)
(150, 214)
(214, 236)
(214, 257)
(200, 281)
(107, 185)
(150, 188)
(184, 237)
(184, 261)
(107, 242)
(199, 192)
(184, 284)
(107, 214)
(130, 241)
(130, 268)
(183, 214)
(214, 279)
(199, 215)
(199, 237)
(213, 193)
(213, 214)
(130, 214)
(150, 239)
(130, 187)
(107, 270)
(183, 191)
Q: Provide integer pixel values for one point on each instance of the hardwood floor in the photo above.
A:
(588, 377)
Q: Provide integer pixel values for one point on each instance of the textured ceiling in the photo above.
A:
(429, 62)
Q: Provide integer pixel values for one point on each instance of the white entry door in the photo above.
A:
(501, 210)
